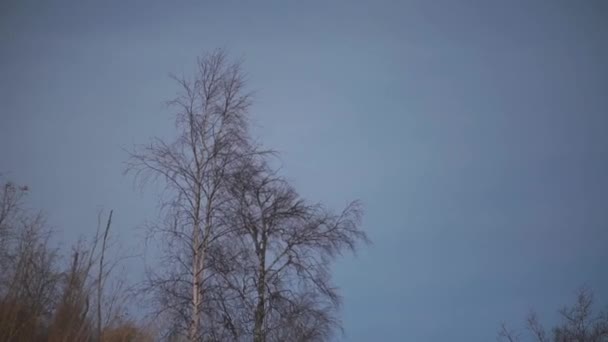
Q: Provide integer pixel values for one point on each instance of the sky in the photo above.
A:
(474, 132)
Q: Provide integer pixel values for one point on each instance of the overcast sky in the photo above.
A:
(474, 132)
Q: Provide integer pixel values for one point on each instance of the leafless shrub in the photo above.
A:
(28, 276)
(39, 299)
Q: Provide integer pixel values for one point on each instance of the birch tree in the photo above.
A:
(275, 275)
(211, 122)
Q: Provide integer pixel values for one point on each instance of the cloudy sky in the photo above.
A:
(475, 132)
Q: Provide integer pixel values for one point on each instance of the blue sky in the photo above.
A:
(473, 131)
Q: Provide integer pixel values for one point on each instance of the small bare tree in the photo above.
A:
(579, 324)
(42, 300)
(86, 309)
(212, 137)
(28, 273)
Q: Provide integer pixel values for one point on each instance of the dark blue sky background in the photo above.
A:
(475, 132)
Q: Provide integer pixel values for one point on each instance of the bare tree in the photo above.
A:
(579, 324)
(212, 137)
(71, 320)
(28, 273)
(43, 300)
(274, 277)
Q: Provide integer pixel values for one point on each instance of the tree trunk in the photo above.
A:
(260, 310)
(196, 286)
